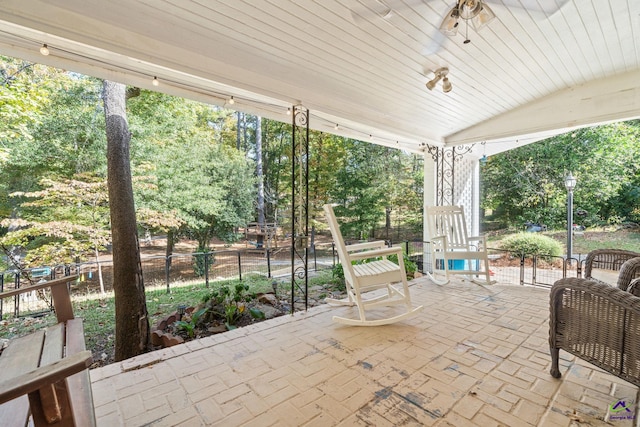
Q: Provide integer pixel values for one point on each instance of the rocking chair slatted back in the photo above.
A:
(450, 242)
(367, 268)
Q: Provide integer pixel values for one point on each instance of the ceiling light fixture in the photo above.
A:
(475, 11)
(440, 74)
(155, 81)
(232, 101)
(44, 50)
(288, 111)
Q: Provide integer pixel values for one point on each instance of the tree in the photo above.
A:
(132, 321)
(363, 186)
(65, 221)
(528, 183)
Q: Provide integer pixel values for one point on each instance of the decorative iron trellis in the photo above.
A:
(445, 160)
(300, 205)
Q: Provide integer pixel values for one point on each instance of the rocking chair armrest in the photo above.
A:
(481, 238)
(378, 244)
(376, 253)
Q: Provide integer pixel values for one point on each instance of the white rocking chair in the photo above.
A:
(452, 250)
(369, 276)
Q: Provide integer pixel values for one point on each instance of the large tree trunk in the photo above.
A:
(132, 321)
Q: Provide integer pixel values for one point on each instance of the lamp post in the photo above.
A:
(570, 184)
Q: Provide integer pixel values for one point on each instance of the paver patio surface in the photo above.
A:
(475, 356)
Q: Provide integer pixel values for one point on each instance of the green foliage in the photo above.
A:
(189, 325)
(366, 184)
(231, 303)
(527, 183)
(410, 267)
(532, 244)
(337, 276)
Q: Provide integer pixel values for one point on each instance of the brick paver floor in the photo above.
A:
(475, 356)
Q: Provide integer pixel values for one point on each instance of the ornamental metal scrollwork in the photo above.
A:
(445, 160)
(299, 205)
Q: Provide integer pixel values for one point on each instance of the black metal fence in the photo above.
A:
(514, 269)
(161, 271)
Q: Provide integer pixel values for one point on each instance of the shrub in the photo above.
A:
(410, 267)
(532, 244)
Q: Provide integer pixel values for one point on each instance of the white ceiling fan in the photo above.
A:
(462, 14)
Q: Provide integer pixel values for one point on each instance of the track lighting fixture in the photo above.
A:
(155, 81)
(440, 74)
(474, 11)
(44, 50)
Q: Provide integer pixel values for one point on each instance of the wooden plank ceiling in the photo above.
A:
(541, 67)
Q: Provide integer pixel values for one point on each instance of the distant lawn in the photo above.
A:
(590, 239)
(98, 311)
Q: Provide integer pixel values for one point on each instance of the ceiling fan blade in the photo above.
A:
(548, 7)
(385, 9)
(375, 9)
(435, 44)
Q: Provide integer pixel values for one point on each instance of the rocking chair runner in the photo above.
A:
(452, 250)
(369, 276)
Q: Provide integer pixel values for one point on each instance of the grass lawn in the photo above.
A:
(98, 311)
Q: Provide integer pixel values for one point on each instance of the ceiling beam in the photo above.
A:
(598, 101)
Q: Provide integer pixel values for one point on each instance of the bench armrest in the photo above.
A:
(43, 376)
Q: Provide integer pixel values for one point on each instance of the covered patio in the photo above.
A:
(372, 70)
(475, 356)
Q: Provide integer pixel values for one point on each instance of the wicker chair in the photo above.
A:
(598, 323)
(626, 262)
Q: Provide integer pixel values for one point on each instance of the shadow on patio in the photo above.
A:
(474, 356)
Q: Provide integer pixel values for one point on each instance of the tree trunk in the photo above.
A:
(238, 130)
(259, 173)
(132, 321)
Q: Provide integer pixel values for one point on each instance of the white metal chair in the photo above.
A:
(377, 273)
(452, 250)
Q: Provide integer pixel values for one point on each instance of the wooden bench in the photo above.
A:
(46, 374)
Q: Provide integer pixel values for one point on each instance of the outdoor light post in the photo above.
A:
(570, 184)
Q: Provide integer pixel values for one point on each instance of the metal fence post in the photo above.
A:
(206, 269)
(167, 266)
(315, 257)
(333, 253)
(239, 266)
(534, 261)
(521, 269)
(268, 263)
(16, 299)
(1, 289)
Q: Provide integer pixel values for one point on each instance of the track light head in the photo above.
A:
(446, 85)
(440, 74)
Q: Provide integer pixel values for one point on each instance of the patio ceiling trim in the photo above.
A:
(532, 73)
(596, 102)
